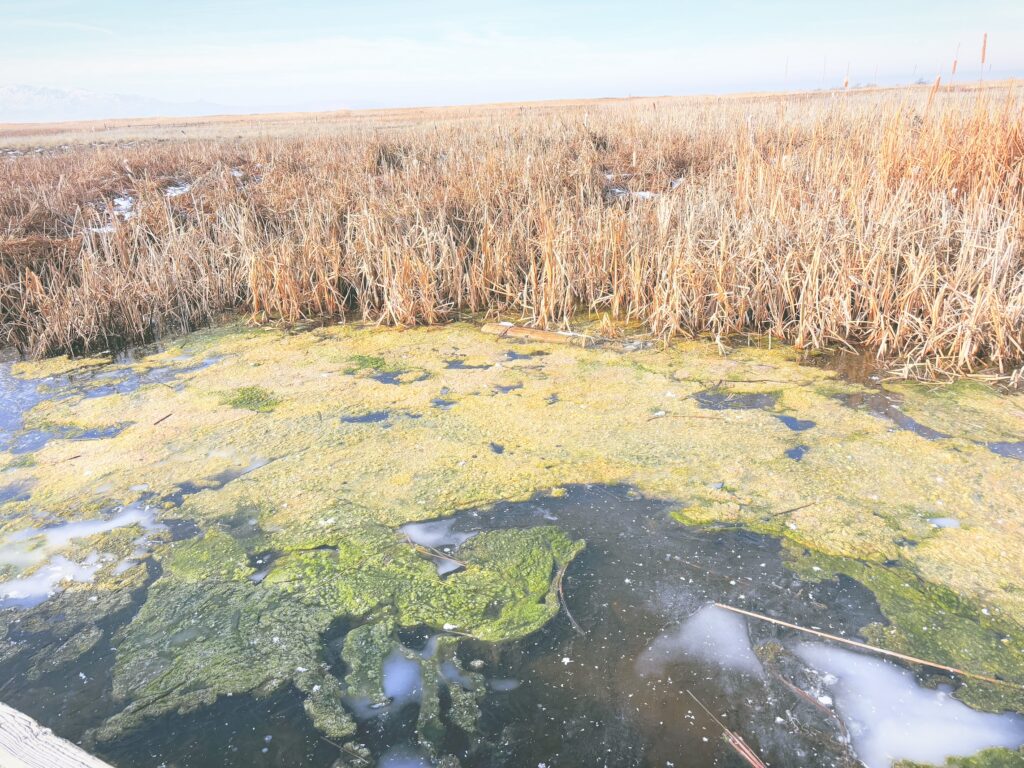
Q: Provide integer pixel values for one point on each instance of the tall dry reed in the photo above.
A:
(888, 220)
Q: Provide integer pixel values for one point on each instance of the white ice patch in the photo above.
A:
(613, 194)
(403, 758)
(890, 717)
(402, 681)
(30, 546)
(436, 533)
(30, 591)
(124, 207)
(503, 685)
(177, 190)
(712, 635)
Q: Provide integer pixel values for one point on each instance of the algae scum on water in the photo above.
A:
(363, 546)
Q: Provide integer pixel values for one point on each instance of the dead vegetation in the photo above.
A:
(888, 220)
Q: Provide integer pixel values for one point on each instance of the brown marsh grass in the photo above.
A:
(888, 220)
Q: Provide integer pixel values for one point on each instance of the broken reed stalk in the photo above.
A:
(733, 739)
(533, 334)
(437, 553)
(345, 749)
(802, 694)
(866, 647)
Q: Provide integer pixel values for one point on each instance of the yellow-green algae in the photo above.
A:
(207, 629)
(989, 758)
(969, 409)
(252, 399)
(862, 495)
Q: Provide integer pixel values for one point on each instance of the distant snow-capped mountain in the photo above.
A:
(35, 104)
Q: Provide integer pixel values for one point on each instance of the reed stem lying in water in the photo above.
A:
(732, 738)
(866, 647)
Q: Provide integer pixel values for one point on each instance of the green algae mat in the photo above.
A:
(229, 517)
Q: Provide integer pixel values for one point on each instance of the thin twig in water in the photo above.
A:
(69, 458)
(358, 757)
(793, 509)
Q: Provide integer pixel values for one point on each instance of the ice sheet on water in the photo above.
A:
(33, 545)
(401, 682)
(436, 533)
(712, 635)
(401, 678)
(403, 758)
(890, 717)
(30, 591)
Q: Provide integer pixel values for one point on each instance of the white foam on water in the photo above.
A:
(713, 635)
(891, 717)
(30, 591)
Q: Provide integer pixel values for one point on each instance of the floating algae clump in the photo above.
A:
(209, 629)
(252, 399)
(989, 758)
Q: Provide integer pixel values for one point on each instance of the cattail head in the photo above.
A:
(984, 47)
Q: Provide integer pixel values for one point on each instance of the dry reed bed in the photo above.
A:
(891, 221)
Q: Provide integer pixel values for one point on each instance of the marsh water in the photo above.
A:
(620, 677)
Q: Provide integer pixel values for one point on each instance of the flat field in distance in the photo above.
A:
(885, 219)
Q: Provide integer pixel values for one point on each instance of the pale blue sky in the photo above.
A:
(311, 54)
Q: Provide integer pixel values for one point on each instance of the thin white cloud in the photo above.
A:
(48, 24)
(464, 67)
